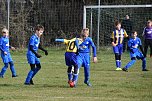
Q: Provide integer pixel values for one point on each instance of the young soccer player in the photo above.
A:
(70, 59)
(147, 33)
(133, 44)
(117, 38)
(83, 58)
(33, 56)
(5, 53)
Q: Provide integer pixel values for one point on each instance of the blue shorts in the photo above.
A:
(70, 58)
(6, 58)
(118, 49)
(83, 59)
(32, 59)
(137, 55)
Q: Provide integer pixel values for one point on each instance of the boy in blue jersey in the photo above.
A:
(33, 56)
(117, 38)
(83, 57)
(133, 44)
(5, 53)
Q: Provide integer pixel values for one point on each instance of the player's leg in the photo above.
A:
(116, 52)
(129, 64)
(141, 56)
(3, 70)
(68, 56)
(30, 74)
(145, 46)
(151, 48)
(12, 68)
(5, 61)
(119, 55)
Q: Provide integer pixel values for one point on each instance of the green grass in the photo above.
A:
(51, 81)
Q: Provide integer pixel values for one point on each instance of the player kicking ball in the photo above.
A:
(70, 59)
(133, 44)
(33, 56)
(5, 53)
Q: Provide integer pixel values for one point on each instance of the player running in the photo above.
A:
(133, 44)
(5, 53)
(33, 56)
(70, 59)
(117, 38)
(83, 57)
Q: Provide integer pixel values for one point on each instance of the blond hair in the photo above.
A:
(5, 30)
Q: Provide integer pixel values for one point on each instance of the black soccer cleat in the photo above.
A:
(14, 76)
(31, 82)
(124, 69)
(145, 70)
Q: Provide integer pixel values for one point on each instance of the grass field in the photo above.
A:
(51, 81)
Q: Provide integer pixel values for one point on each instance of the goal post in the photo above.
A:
(109, 13)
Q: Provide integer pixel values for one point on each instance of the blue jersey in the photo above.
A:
(4, 44)
(84, 47)
(34, 41)
(134, 43)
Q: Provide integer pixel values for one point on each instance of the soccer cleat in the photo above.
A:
(69, 81)
(118, 69)
(13, 76)
(145, 70)
(88, 83)
(72, 84)
(124, 69)
(31, 82)
(26, 83)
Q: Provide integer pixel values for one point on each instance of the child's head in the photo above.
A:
(134, 34)
(85, 32)
(39, 29)
(5, 32)
(149, 23)
(118, 25)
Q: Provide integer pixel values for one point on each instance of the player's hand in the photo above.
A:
(38, 56)
(46, 52)
(95, 59)
(113, 44)
(13, 48)
(5, 53)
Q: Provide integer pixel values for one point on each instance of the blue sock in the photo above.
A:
(12, 68)
(29, 76)
(75, 77)
(120, 63)
(130, 64)
(4, 69)
(70, 76)
(117, 63)
(144, 63)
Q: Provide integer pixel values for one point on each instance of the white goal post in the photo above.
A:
(100, 7)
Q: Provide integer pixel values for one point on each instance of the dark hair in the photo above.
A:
(134, 32)
(38, 27)
(117, 22)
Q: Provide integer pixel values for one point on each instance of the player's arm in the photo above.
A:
(31, 46)
(126, 35)
(130, 46)
(94, 51)
(77, 45)
(41, 48)
(112, 39)
(141, 48)
(143, 32)
(1, 46)
(65, 41)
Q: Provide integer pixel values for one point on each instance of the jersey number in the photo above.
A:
(71, 45)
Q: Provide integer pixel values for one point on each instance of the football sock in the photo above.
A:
(29, 76)
(12, 68)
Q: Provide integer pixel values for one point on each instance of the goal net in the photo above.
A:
(100, 20)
